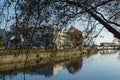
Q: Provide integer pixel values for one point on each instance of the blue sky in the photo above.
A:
(11, 13)
(108, 37)
(104, 36)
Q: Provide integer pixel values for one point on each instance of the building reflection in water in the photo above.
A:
(72, 66)
(48, 69)
(62, 69)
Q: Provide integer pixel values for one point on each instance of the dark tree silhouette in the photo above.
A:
(60, 13)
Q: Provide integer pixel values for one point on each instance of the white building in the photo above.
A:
(62, 41)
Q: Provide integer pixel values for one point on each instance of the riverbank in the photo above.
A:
(22, 60)
(13, 56)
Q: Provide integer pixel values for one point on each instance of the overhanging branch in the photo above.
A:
(107, 26)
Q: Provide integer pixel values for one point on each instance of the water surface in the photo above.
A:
(104, 65)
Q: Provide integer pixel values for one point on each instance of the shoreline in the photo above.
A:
(13, 56)
(11, 64)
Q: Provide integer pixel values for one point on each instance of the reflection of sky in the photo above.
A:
(96, 67)
(101, 67)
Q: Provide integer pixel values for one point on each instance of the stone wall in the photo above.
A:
(13, 56)
(16, 60)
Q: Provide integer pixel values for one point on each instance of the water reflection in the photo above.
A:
(47, 69)
(72, 65)
(75, 66)
(119, 55)
(105, 63)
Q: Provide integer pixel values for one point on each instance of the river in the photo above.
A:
(105, 65)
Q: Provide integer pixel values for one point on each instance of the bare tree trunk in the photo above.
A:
(105, 24)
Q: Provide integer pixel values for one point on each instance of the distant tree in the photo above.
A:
(75, 36)
(60, 13)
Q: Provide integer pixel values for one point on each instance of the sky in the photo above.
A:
(104, 36)
(5, 12)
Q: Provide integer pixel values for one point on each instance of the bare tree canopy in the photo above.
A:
(60, 13)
